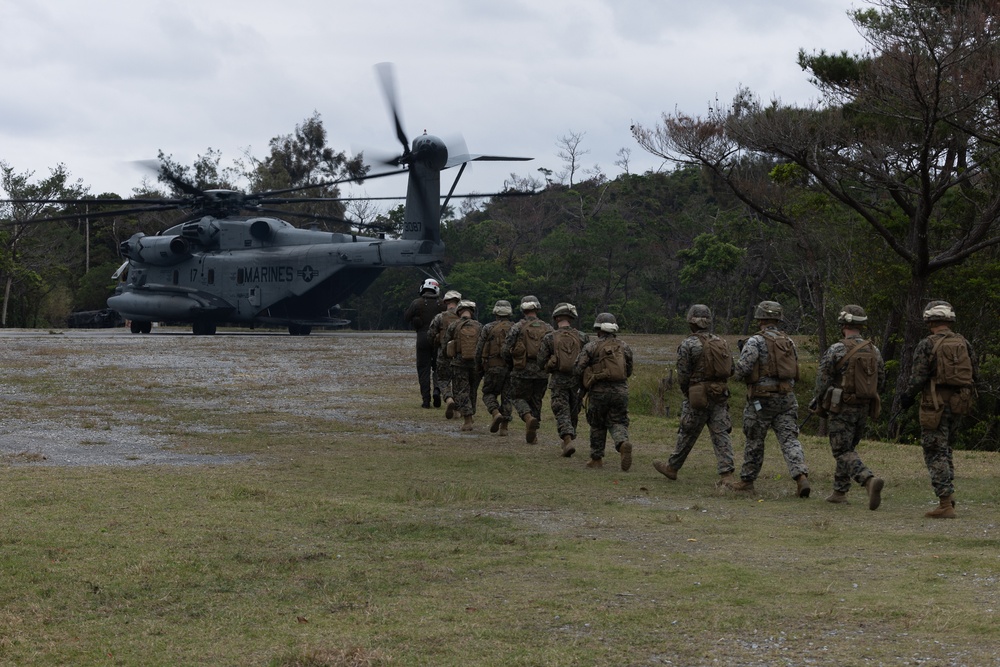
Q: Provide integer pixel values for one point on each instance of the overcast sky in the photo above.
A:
(97, 85)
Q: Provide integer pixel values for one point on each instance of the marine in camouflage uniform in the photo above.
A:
(495, 373)
(936, 442)
(419, 315)
(528, 384)
(565, 391)
(607, 402)
(436, 331)
(693, 421)
(847, 426)
(771, 404)
(464, 371)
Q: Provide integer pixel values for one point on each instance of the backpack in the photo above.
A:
(447, 317)
(782, 362)
(859, 370)
(566, 346)
(466, 338)
(953, 363)
(528, 342)
(494, 343)
(608, 364)
(715, 362)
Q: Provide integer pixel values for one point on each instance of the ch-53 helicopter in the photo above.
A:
(234, 261)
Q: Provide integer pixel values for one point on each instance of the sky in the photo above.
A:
(97, 86)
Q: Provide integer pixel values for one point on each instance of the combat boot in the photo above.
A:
(837, 498)
(450, 409)
(945, 509)
(531, 429)
(437, 398)
(874, 488)
(743, 486)
(802, 487)
(665, 470)
(626, 451)
(568, 449)
(497, 420)
(467, 426)
(726, 480)
(595, 463)
(503, 430)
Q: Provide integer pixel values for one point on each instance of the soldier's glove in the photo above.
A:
(740, 343)
(814, 405)
(906, 401)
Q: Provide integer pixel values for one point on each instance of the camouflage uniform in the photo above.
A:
(565, 391)
(607, 403)
(692, 421)
(778, 411)
(848, 426)
(436, 331)
(528, 384)
(464, 372)
(419, 315)
(936, 442)
(495, 377)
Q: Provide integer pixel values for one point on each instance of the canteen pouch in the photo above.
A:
(961, 401)
(718, 392)
(930, 417)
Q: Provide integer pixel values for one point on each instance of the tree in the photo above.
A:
(571, 154)
(907, 137)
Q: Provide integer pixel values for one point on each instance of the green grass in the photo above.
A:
(367, 531)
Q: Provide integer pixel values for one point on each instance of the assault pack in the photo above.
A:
(715, 363)
(859, 370)
(608, 364)
(952, 361)
(466, 338)
(566, 346)
(782, 364)
(528, 342)
(494, 344)
(447, 318)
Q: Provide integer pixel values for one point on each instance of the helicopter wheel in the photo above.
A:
(203, 328)
(137, 326)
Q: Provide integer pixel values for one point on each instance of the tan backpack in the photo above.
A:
(782, 362)
(526, 347)
(447, 318)
(953, 365)
(466, 338)
(716, 362)
(608, 364)
(494, 343)
(859, 370)
(566, 346)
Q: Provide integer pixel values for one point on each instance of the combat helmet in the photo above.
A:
(564, 310)
(700, 316)
(464, 304)
(452, 295)
(852, 316)
(530, 303)
(502, 308)
(432, 286)
(768, 310)
(606, 322)
(939, 311)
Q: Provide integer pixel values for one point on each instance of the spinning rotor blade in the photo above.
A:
(97, 214)
(308, 216)
(388, 81)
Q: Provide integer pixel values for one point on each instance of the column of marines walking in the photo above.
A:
(518, 362)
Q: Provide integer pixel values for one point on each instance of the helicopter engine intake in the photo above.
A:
(155, 250)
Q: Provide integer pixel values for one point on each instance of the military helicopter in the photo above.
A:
(234, 261)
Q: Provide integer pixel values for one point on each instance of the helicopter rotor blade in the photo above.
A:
(388, 81)
(92, 215)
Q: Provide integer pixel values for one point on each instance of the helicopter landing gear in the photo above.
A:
(203, 328)
(299, 329)
(138, 326)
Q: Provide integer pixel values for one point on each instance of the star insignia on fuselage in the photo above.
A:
(307, 273)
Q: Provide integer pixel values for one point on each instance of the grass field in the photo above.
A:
(363, 530)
